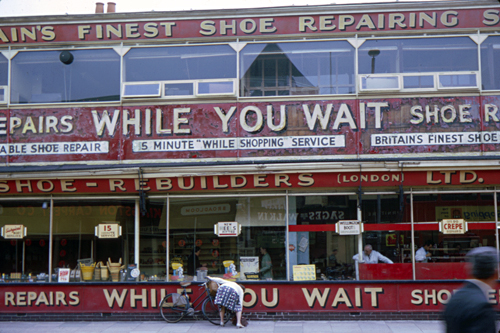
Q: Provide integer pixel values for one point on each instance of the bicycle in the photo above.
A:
(174, 306)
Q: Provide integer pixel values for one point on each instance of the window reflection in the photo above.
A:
(195, 246)
(418, 55)
(4, 70)
(42, 77)
(490, 69)
(180, 63)
(314, 68)
(21, 257)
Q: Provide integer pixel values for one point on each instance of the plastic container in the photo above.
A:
(87, 271)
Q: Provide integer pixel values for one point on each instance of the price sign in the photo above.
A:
(14, 231)
(453, 226)
(349, 227)
(227, 229)
(108, 230)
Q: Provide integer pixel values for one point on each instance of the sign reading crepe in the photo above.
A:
(108, 230)
(14, 231)
(453, 226)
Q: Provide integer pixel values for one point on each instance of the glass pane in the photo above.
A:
(153, 247)
(420, 81)
(75, 240)
(308, 68)
(41, 77)
(330, 253)
(490, 68)
(4, 70)
(457, 80)
(215, 87)
(417, 55)
(142, 89)
(180, 63)
(261, 243)
(380, 83)
(445, 258)
(20, 258)
(179, 89)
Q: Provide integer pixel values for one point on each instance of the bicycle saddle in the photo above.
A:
(185, 284)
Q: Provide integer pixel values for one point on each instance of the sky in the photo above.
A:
(63, 7)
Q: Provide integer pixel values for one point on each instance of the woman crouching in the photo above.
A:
(229, 296)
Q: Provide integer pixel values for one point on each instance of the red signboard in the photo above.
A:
(315, 296)
(315, 21)
(257, 132)
(241, 182)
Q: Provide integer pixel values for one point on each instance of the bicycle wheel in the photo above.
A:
(170, 312)
(211, 312)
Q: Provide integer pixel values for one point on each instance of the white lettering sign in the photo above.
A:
(54, 148)
(270, 142)
(227, 229)
(349, 227)
(454, 226)
(13, 231)
(451, 138)
(108, 230)
(205, 209)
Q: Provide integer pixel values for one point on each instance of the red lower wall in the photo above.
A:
(322, 296)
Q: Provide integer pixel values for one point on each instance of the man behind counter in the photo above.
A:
(370, 256)
(423, 254)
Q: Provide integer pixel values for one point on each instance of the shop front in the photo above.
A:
(299, 228)
(265, 146)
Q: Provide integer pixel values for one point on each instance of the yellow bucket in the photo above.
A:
(227, 263)
(87, 271)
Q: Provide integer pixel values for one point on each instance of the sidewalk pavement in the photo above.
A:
(203, 326)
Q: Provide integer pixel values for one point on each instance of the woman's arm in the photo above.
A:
(218, 280)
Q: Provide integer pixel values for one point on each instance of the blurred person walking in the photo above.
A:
(468, 310)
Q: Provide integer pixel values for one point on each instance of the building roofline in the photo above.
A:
(263, 11)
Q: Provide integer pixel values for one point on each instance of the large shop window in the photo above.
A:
(386, 219)
(490, 68)
(65, 76)
(75, 242)
(445, 253)
(257, 253)
(4, 75)
(24, 257)
(153, 242)
(313, 239)
(312, 68)
(418, 64)
(186, 71)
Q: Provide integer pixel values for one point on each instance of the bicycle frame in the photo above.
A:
(192, 304)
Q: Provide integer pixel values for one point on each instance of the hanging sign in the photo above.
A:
(14, 231)
(227, 229)
(349, 227)
(453, 226)
(108, 230)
